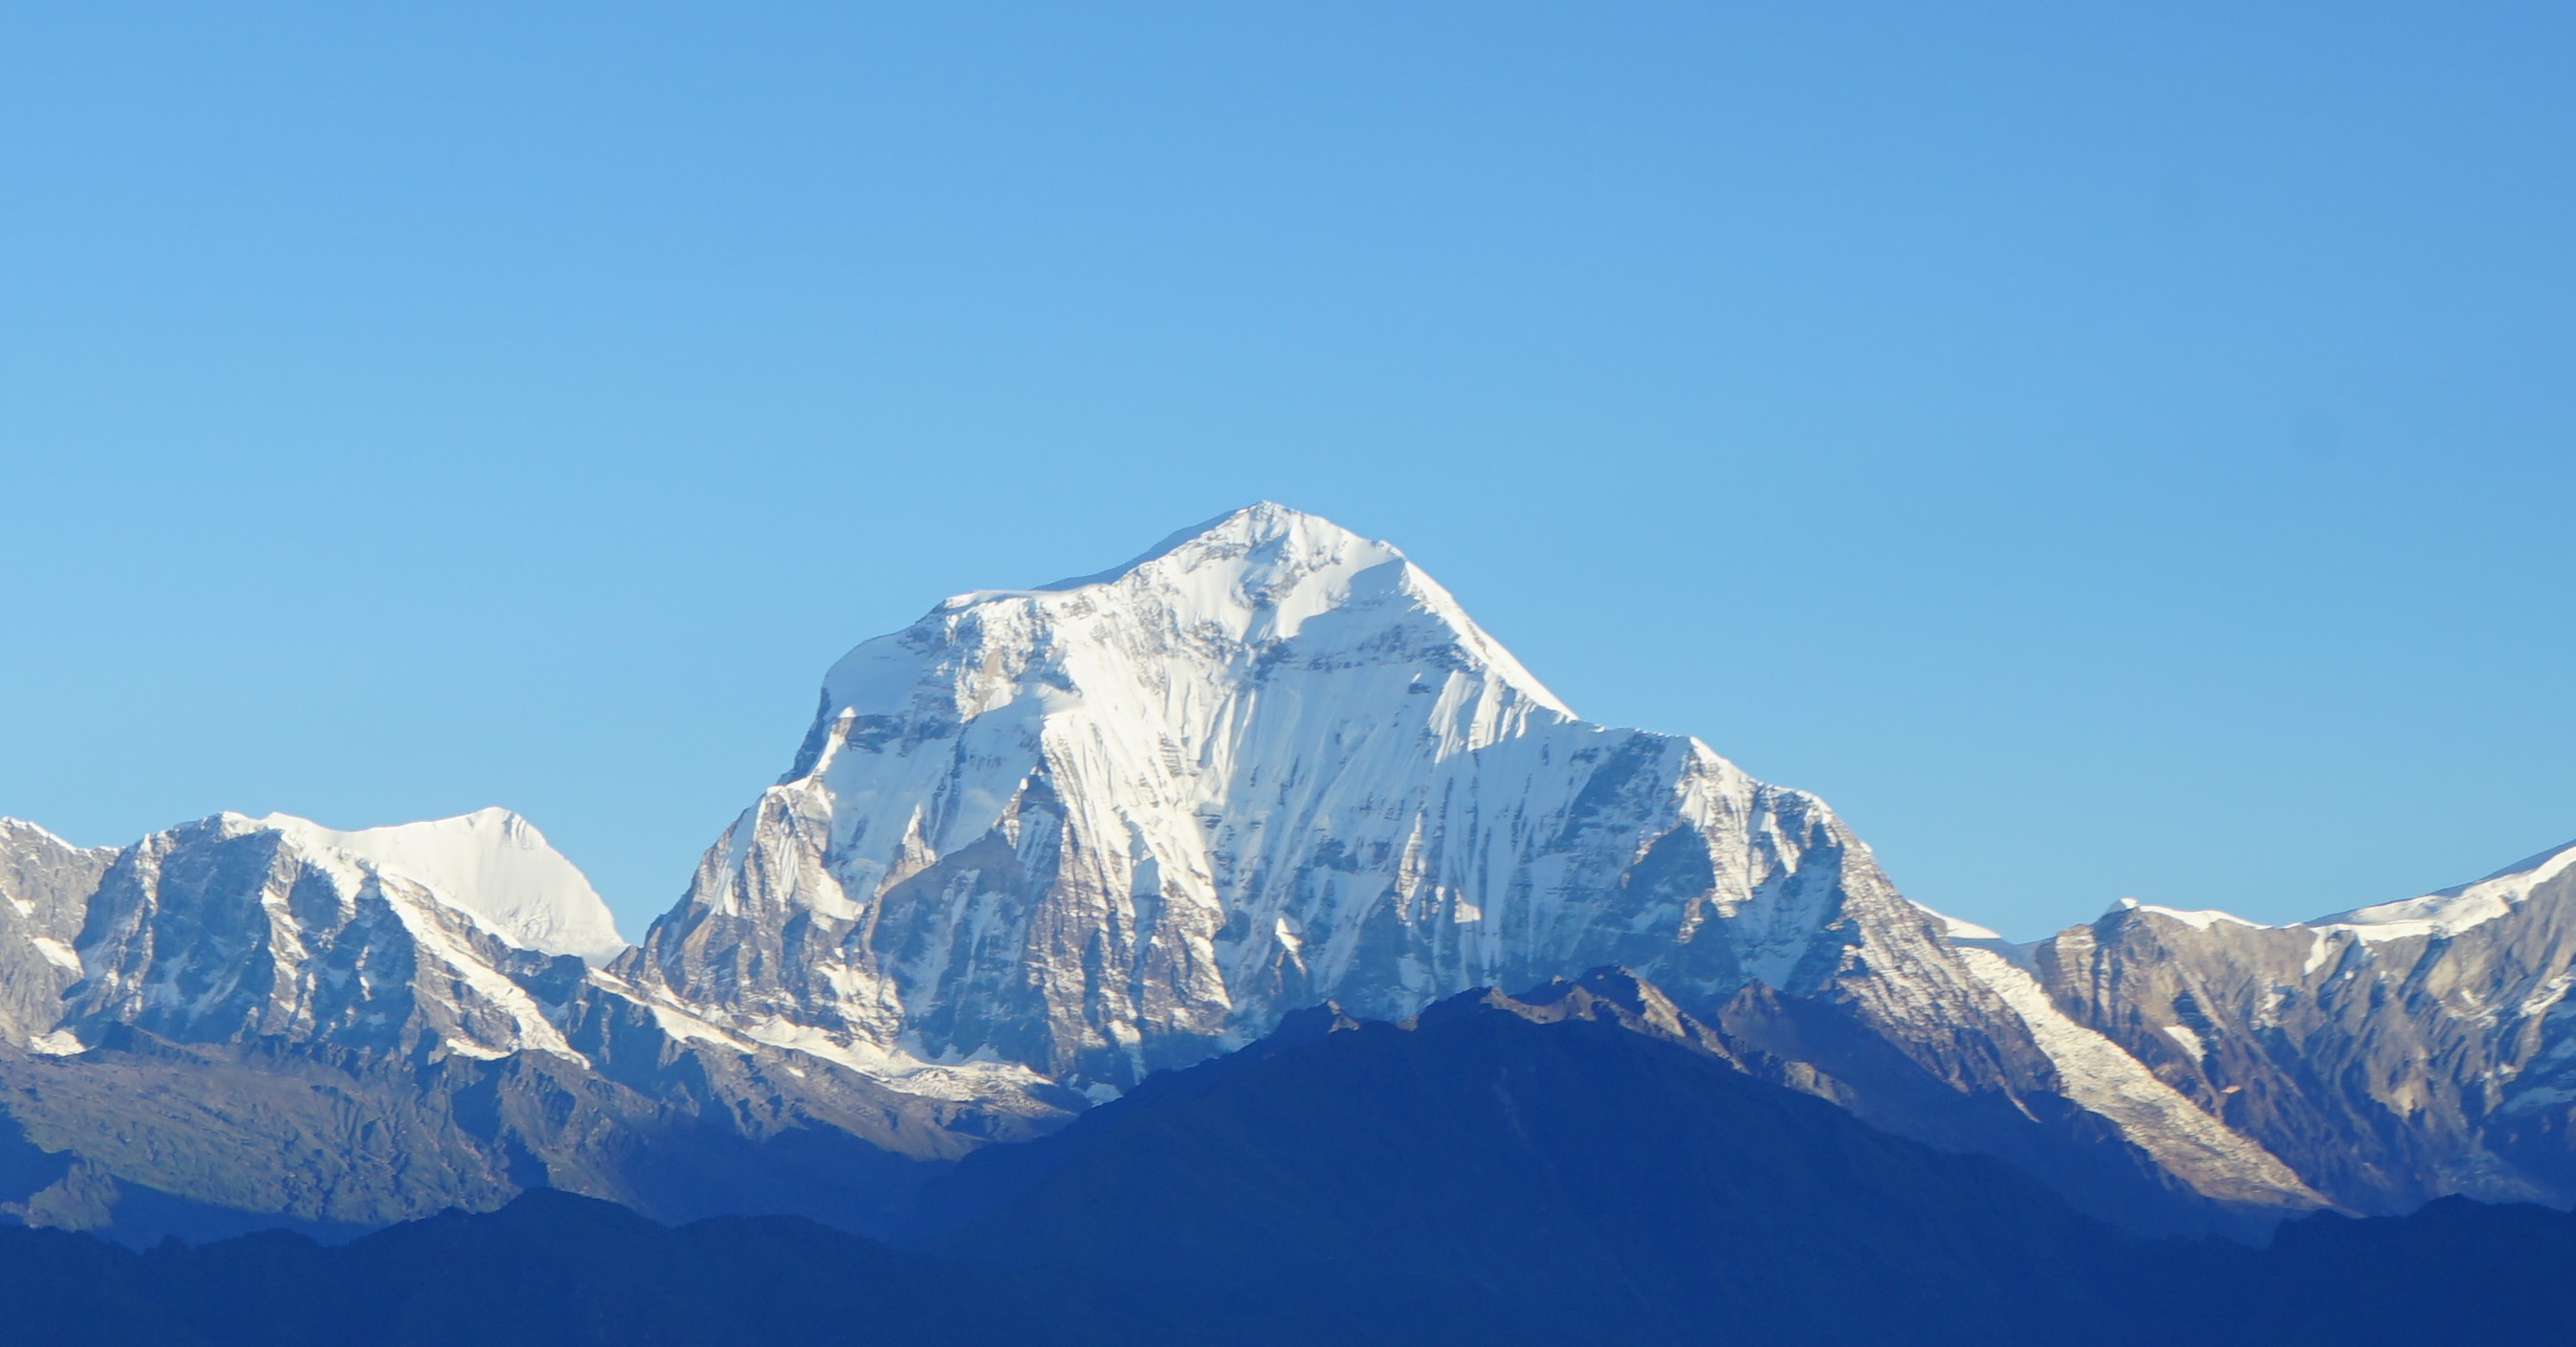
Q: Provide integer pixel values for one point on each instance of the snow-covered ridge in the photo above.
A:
(22, 828)
(2198, 919)
(1120, 821)
(1045, 841)
(1240, 584)
(2453, 910)
(2444, 913)
(492, 865)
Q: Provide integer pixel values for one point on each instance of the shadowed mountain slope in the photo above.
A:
(1563, 1169)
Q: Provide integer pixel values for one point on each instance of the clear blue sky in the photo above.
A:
(2102, 452)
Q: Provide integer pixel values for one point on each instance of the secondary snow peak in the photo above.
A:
(491, 864)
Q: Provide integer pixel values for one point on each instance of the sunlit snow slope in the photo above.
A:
(491, 864)
(1118, 822)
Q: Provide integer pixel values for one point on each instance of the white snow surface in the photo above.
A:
(492, 865)
(1240, 582)
(1960, 928)
(2198, 919)
(1267, 762)
(2453, 910)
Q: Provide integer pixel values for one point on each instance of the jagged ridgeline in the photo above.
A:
(1046, 842)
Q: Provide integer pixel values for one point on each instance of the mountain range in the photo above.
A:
(1049, 848)
(1573, 1164)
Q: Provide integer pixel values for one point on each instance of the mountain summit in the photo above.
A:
(491, 864)
(1046, 842)
(1121, 822)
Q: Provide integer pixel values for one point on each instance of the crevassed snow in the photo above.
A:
(492, 865)
(2453, 910)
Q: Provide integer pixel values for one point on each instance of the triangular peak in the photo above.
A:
(1263, 526)
(1258, 575)
(491, 864)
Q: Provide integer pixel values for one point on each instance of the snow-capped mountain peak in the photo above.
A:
(1046, 841)
(1211, 601)
(1111, 823)
(492, 865)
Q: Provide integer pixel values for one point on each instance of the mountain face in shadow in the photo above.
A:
(549, 1268)
(1582, 1164)
(1556, 1165)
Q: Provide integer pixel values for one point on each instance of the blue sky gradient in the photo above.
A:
(2101, 453)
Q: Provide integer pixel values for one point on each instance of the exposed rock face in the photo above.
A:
(1045, 842)
(230, 930)
(1042, 841)
(1119, 823)
(45, 884)
(492, 865)
(240, 1021)
(2392, 1054)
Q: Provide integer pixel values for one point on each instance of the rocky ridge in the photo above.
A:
(1046, 842)
(240, 1021)
(1120, 823)
(2391, 1055)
